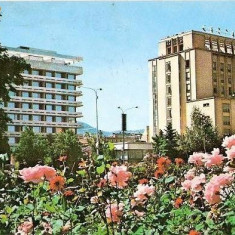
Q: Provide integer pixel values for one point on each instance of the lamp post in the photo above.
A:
(96, 111)
(124, 127)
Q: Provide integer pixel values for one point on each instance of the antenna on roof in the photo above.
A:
(218, 30)
(233, 34)
(212, 29)
(204, 28)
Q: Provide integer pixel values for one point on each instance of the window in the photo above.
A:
(71, 109)
(11, 140)
(71, 87)
(222, 90)
(226, 108)
(49, 96)
(207, 44)
(188, 88)
(49, 74)
(168, 47)
(25, 106)
(58, 86)
(26, 83)
(36, 118)
(36, 129)
(71, 76)
(12, 116)
(188, 98)
(168, 78)
(58, 108)
(187, 76)
(226, 120)
(168, 90)
(36, 84)
(229, 49)
(36, 95)
(229, 67)
(25, 117)
(229, 90)
(168, 101)
(11, 105)
(25, 94)
(215, 90)
(35, 72)
(214, 65)
(168, 66)
(227, 131)
(58, 119)
(12, 93)
(49, 118)
(58, 75)
(49, 130)
(214, 46)
(229, 80)
(49, 107)
(175, 49)
(35, 106)
(48, 85)
(58, 97)
(11, 128)
(26, 71)
(206, 105)
(221, 47)
(187, 64)
(169, 113)
(222, 67)
(71, 98)
(214, 77)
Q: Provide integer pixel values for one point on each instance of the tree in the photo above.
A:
(66, 143)
(32, 149)
(201, 136)
(10, 75)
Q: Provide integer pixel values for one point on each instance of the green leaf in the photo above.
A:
(100, 169)
(111, 146)
(81, 172)
(100, 157)
(169, 179)
(81, 208)
(70, 180)
(57, 225)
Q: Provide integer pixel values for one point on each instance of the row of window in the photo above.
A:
(50, 74)
(174, 45)
(221, 66)
(27, 117)
(27, 94)
(50, 85)
(219, 46)
(47, 107)
(222, 91)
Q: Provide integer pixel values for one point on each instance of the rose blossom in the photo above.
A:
(94, 200)
(222, 179)
(231, 153)
(197, 181)
(228, 142)
(215, 159)
(139, 213)
(196, 158)
(186, 184)
(143, 191)
(114, 212)
(190, 174)
(37, 173)
(26, 227)
(118, 176)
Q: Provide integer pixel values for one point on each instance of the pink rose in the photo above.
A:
(143, 191)
(26, 227)
(215, 159)
(114, 212)
(186, 185)
(228, 142)
(231, 153)
(196, 183)
(196, 158)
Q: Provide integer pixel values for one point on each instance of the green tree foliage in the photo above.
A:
(166, 142)
(10, 75)
(66, 143)
(32, 149)
(201, 136)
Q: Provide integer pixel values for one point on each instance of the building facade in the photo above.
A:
(49, 98)
(194, 69)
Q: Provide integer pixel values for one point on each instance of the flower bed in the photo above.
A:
(156, 196)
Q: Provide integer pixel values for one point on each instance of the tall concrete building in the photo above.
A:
(193, 69)
(49, 98)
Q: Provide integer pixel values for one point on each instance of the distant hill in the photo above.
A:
(87, 128)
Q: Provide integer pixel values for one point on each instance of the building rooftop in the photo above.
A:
(42, 52)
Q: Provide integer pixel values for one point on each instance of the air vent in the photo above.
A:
(25, 48)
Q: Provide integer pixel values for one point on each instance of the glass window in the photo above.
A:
(229, 67)
(48, 85)
(26, 71)
(25, 94)
(58, 97)
(49, 74)
(71, 87)
(58, 75)
(71, 109)
(58, 108)
(71, 98)
(35, 106)
(229, 49)
(36, 118)
(11, 116)
(214, 46)
(226, 108)
(11, 105)
(71, 76)
(35, 72)
(207, 44)
(11, 140)
(11, 128)
(187, 64)
(49, 130)
(36, 84)
(49, 118)
(168, 67)
(168, 90)
(58, 86)
(214, 65)
(12, 93)
(49, 107)
(169, 113)
(221, 66)
(168, 78)
(36, 95)
(36, 129)
(58, 119)
(49, 96)
(25, 106)
(25, 117)
(226, 120)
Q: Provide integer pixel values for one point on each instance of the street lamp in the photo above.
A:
(96, 110)
(124, 127)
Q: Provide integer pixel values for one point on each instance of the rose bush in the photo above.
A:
(155, 196)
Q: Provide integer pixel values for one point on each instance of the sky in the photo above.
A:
(115, 39)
